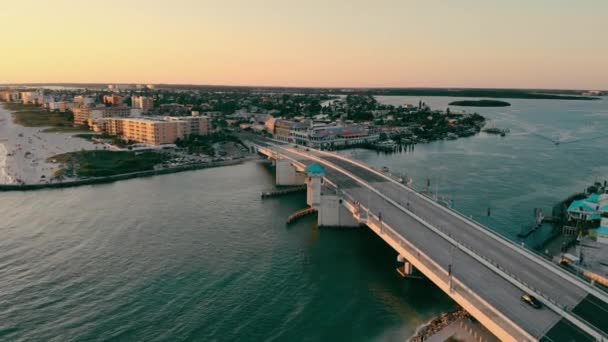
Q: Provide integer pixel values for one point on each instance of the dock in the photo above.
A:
(281, 192)
(299, 214)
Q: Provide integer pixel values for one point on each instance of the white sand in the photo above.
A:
(19, 166)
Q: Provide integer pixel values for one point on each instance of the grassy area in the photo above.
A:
(67, 129)
(19, 106)
(203, 143)
(42, 118)
(106, 163)
(89, 136)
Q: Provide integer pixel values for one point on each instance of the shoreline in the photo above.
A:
(24, 151)
(438, 323)
(115, 178)
(5, 177)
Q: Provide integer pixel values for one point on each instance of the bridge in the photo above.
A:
(479, 269)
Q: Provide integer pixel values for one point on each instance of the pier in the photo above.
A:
(282, 192)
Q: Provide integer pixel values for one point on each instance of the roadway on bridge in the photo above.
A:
(496, 290)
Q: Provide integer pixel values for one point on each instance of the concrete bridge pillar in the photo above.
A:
(313, 191)
(407, 269)
(333, 213)
(329, 205)
(286, 173)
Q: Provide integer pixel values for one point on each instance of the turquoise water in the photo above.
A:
(198, 256)
(514, 174)
(195, 256)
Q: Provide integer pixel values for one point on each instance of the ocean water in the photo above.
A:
(195, 256)
(517, 173)
(199, 256)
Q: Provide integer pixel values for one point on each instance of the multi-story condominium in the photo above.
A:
(149, 130)
(32, 97)
(84, 100)
(60, 106)
(82, 114)
(9, 95)
(142, 102)
(112, 99)
(195, 124)
(282, 129)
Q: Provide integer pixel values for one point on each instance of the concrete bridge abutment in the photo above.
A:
(287, 174)
(333, 213)
(407, 269)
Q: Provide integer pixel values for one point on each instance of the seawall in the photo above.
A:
(114, 178)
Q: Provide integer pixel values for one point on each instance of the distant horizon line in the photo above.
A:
(286, 87)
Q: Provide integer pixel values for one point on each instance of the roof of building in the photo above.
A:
(353, 134)
(315, 169)
(581, 205)
(594, 198)
(602, 230)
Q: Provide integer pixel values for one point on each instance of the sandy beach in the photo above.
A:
(24, 150)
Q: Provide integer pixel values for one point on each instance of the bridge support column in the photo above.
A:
(332, 213)
(313, 191)
(286, 173)
(407, 269)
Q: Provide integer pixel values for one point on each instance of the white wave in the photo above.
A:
(5, 177)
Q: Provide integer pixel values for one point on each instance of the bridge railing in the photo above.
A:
(455, 284)
(387, 230)
(524, 248)
(496, 266)
(505, 239)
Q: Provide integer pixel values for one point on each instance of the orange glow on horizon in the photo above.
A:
(547, 44)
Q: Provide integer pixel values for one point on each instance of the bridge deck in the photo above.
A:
(554, 286)
(495, 289)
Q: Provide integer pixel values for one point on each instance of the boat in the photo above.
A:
(384, 169)
(494, 130)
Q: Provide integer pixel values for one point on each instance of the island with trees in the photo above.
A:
(480, 103)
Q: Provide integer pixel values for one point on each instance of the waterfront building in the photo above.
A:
(9, 95)
(82, 114)
(32, 97)
(151, 130)
(282, 130)
(601, 233)
(313, 134)
(195, 124)
(324, 135)
(60, 106)
(590, 208)
(147, 130)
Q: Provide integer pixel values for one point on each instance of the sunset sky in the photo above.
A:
(401, 43)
